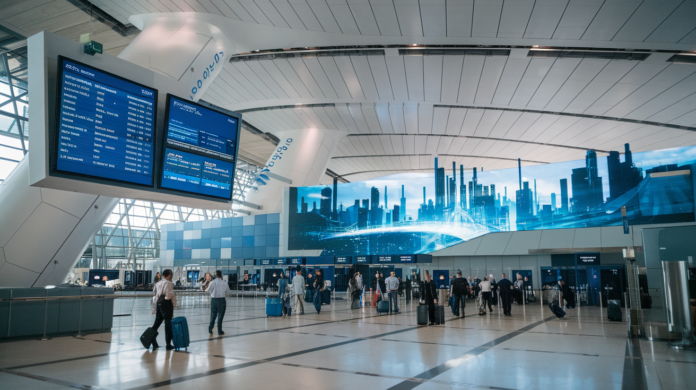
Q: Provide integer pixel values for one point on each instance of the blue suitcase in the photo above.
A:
(180, 333)
(274, 307)
(383, 307)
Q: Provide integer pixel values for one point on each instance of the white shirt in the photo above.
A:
(298, 285)
(485, 286)
(392, 283)
(166, 288)
(218, 288)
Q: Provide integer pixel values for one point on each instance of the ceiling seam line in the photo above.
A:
(665, 19)
(627, 120)
(593, 19)
(627, 19)
(559, 19)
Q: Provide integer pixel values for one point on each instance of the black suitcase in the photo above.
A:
(614, 310)
(148, 337)
(555, 309)
(422, 315)
(439, 315)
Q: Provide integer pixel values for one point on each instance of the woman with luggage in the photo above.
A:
(485, 286)
(284, 294)
(376, 293)
(429, 296)
(318, 288)
(354, 293)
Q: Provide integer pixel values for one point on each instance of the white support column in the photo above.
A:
(43, 232)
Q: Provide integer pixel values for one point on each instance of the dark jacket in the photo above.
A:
(505, 286)
(460, 286)
(319, 282)
(429, 292)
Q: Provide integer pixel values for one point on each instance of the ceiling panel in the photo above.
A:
(288, 13)
(490, 78)
(364, 17)
(349, 77)
(471, 74)
(319, 75)
(486, 18)
(414, 77)
(434, 17)
(408, 15)
(514, 18)
(396, 115)
(322, 12)
(610, 18)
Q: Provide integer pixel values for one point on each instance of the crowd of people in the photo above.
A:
(294, 293)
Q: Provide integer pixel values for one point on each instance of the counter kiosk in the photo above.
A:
(344, 270)
(326, 264)
(271, 269)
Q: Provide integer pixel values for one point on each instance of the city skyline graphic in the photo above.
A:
(420, 213)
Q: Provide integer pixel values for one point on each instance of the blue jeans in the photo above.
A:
(393, 298)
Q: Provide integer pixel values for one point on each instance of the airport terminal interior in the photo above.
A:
(344, 194)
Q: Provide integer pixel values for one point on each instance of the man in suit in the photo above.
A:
(460, 289)
(505, 289)
(429, 296)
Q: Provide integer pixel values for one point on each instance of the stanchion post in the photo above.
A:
(44, 338)
(79, 320)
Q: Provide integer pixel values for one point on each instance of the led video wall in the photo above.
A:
(423, 212)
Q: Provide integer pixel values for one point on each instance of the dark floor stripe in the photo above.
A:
(452, 363)
(265, 360)
(633, 372)
(50, 380)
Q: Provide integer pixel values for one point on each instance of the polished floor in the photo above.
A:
(354, 349)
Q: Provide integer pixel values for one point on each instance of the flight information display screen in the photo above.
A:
(200, 149)
(198, 174)
(106, 125)
(201, 130)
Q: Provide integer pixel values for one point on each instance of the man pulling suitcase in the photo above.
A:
(164, 300)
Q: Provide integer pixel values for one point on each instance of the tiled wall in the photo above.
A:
(255, 236)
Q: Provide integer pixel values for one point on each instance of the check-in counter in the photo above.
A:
(39, 312)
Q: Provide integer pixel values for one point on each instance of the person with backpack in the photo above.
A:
(165, 300)
(460, 289)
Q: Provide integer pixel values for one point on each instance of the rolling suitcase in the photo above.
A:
(614, 310)
(326, 297)
(383, 307)
(439, 315)
(274, 307)
(555, 309)
(422, 318)
(180, 333)
(148, 337)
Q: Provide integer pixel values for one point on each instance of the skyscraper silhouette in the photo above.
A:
(564, 196)
(623, 176)
(403, 204)
(325, 205)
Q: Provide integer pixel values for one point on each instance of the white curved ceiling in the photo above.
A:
(478, 110)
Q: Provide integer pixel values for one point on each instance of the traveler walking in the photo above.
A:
(519, 287)
(505, 289)
(460, 289)
(494, 290)
(485, 286)
(359, 280)
(354, 293)
(392, 288)
(165, 300)
(158, 277)
(429, 296)
(377, 293)
(298, 291)
(217, 289)
(318, 288)
(284, 294)
(567, 295)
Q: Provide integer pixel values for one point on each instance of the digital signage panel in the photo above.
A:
(198, 174)
(105, 125)
(200, 149)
